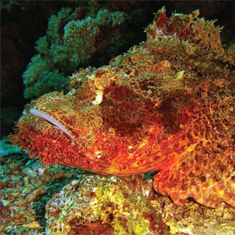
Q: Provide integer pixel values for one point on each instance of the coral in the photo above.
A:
(7, 4)
(25, 188)
(102, 205)
(166, 105)
(68, 43)
(195, 219)
(6, 148)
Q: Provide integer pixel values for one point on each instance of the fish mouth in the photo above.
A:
(51, 120)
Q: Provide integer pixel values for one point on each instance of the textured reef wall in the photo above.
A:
(167, 106)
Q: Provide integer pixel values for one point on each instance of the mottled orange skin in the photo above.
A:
(166, 105)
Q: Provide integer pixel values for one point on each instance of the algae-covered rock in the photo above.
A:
(25, 187)
(102, 205)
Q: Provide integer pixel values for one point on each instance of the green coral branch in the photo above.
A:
(67, 44)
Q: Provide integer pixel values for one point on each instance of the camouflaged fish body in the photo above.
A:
(166, 105)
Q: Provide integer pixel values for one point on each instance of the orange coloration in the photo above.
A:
(145, 118)
(162, 67)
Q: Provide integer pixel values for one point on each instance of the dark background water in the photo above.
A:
(23, 22)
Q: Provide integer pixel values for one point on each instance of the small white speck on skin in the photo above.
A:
(99, 98)
(98, 154)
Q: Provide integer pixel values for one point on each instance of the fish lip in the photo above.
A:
(49, 119)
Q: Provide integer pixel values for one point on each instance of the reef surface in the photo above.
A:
(35, 199)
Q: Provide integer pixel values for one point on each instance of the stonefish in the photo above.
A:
(167, 105)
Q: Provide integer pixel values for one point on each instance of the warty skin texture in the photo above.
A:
(166, 105)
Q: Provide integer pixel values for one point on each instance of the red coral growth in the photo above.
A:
(166, 105)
